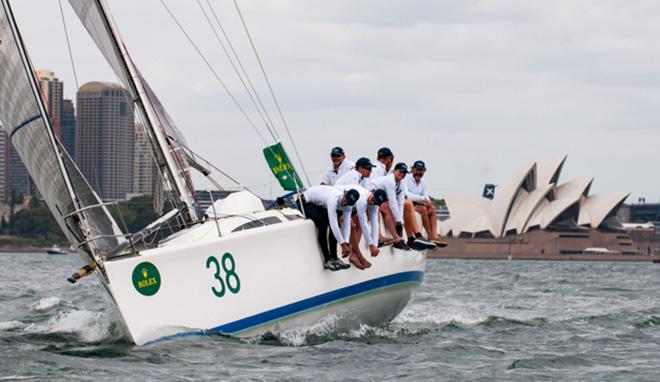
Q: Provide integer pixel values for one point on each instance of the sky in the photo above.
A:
(476, 89)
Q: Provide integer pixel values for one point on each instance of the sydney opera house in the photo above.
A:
(535, 213)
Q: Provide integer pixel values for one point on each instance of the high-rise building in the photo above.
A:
(104, 138)
(69, 127)
(143, 163)
(52, 91)
(5, 187)
(20, 182)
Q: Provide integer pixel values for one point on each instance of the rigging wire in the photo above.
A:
(224, 86)
(263, 113)
(238, 60)
(75, 79)
(270, 88)
(215, 74)
(68, 45)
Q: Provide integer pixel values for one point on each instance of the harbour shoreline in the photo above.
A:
(443, 254)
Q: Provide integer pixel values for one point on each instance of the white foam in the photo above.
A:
(89, 326)
(298, 336)
(449, 314)
(8, 325)
(46, 303)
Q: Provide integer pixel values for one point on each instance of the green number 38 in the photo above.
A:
(230, 281)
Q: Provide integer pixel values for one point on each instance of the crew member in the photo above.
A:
(393, 209)
(419, 196)
(358, 175)
(383, 164)
(322, 204)
(340, 166)
(365, 225)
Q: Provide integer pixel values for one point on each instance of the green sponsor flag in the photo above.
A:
(281, 167)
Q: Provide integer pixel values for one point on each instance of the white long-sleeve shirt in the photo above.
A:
(416, 192)
(369, 226)
(330, 198)
(395, 193)
(332, 175)
(353, 176)
(380, 171)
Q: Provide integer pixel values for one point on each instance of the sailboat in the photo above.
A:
(236, 269)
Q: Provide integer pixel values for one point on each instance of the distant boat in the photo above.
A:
(55, 250)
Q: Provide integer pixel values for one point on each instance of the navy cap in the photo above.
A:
(364, 162)
(337, 151)
(419, 164)
(380, 197)
(352, 197)
(385, 152)
(401, 167)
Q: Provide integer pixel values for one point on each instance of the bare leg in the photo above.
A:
(356, 233)
(423, 211)
(433, 220)
(388, 218)
(409, 218)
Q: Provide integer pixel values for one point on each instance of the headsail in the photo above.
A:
(23, 116)
(167, 141)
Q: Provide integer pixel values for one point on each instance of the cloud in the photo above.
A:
(477, 88)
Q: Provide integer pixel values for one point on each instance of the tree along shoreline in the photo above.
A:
(34, 229)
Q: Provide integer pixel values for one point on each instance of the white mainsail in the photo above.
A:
(165, 138)
(75, 206)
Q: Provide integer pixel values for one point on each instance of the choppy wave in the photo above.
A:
(46, 303)
(87, 326)
(8, 325)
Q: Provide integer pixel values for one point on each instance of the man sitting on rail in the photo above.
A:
(385, 159)
(357, 176)
(418, 194)
(369, 201)
(321, 204)
(340, 166)
(393, 209)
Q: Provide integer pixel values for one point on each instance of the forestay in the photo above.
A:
(23, 116)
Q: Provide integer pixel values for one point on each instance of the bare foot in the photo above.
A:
(355, 260)
(365, 263)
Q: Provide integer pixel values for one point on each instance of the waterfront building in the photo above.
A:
(5, 187)
(20, 182)
(533, 199)
(52, 91)
(105, 133)
(144, 166)
(68, 127)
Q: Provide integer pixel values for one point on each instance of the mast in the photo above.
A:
(169, 165)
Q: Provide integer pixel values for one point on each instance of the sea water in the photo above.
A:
(470, 320)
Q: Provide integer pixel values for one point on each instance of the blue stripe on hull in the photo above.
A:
(307, 304)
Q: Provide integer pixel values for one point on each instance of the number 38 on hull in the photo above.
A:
(245, 282)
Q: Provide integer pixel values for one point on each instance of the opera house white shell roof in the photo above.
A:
(532, 199)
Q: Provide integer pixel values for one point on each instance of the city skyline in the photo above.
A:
(114, 155)
(478, 88)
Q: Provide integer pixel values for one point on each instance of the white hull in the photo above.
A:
(282, 284)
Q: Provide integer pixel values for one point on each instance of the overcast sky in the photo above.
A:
(477, 89)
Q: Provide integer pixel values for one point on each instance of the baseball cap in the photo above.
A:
(380, 197)
(352, 196)
(401, 167)
(419, 164)
(385, 152)
(337, 151)
(364, 162)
